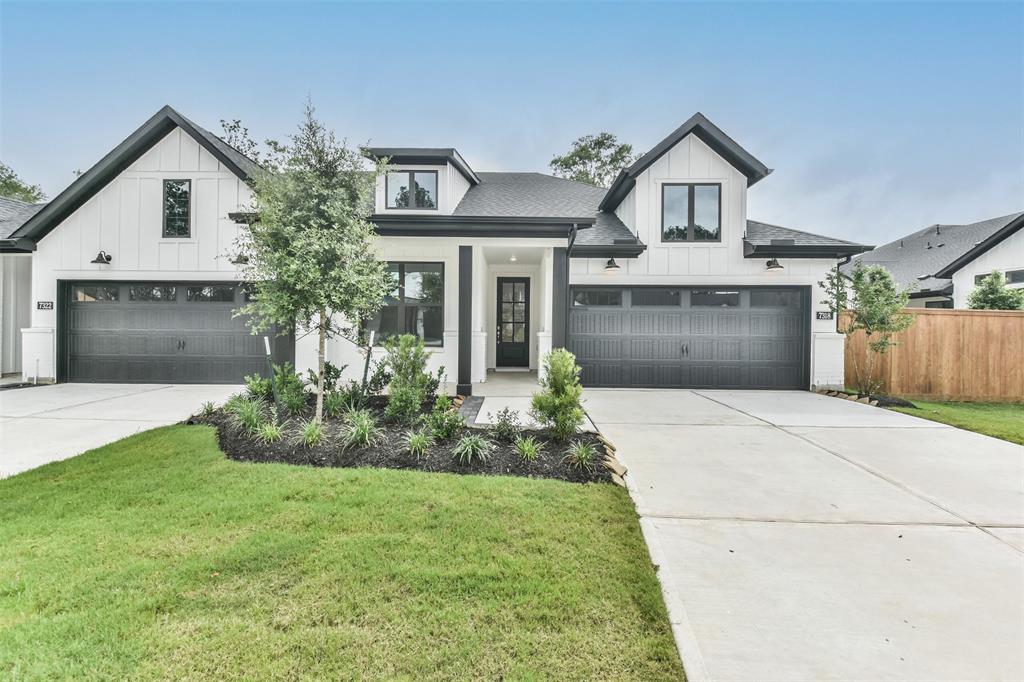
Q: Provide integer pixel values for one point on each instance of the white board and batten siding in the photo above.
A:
(1006, 255)
(712, 263)
(125, 219)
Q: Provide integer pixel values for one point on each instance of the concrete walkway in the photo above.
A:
(801, 537)
(48, 423)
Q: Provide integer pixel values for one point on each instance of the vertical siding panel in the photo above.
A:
(207, 163)
(207, 223)
(148, 162)
(170, 151)
(128, 251)
(227, 201)
(189, 154)
(89, 219)
(110, 217)
(167, 254)
(150, 222)
(71, 244)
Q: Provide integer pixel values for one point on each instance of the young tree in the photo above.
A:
(993, 294)
(874, 303)
(309, 253)
(594, 159)
(13, 187)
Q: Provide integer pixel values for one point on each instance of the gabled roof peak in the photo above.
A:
(707, 132)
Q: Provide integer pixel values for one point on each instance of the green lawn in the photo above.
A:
(157, 558)
(1002, 420)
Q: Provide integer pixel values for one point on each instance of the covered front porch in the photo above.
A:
(514, 296)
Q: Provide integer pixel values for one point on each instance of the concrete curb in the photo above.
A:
(686, 640)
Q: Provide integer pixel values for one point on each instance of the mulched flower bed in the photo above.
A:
(391, 452)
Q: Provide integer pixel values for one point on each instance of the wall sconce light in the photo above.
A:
(102, 258)
(773, 264)
(611, 265)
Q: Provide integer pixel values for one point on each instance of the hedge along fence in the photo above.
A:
(950, 355)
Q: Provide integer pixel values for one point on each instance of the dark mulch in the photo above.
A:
(390, 452)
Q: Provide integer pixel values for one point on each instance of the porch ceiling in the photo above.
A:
(502, 255)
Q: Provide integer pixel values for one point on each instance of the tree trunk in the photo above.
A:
(321, 352)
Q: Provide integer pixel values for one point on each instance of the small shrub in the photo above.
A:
(444, 421)
(247, 414)
(207, 409)
(403, 404)
(332, 377)
(472, 448)
(581, 456)
(528, 448)
(258, 387)
(294, 400)
(558, 406)
(269, 432)
(417, 442)
(361, 431)
(311, 433)
(336, 403)
(505, 427)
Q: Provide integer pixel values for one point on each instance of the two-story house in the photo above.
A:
(659, 280)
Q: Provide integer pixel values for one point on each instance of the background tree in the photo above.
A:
(13, 187)
(874, 303)
(309, 254)
(993, 294)
(594, 159)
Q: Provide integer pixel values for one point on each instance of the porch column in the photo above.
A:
(464, 385)
(559, 297)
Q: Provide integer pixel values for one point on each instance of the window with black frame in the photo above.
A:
(177, 209)
(411, 190)
(691, 212)
(416, 304)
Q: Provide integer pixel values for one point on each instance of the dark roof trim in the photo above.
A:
(802, 251)
(608, 250)
(427, 156)
(387, 219)
(998, 236)
(706, 131)
(16, 245)
(927, 293)
(88, 184)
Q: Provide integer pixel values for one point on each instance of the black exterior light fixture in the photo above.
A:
(102, 258)
(774, 264)
(611, 265)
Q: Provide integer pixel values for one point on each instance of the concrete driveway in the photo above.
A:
(48, 423)
(802, 537)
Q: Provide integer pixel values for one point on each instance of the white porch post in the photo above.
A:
(478, 373)
(546, 309)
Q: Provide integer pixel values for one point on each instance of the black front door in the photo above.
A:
(513, 337)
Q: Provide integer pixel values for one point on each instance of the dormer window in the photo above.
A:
(691, 212)
(412, 190)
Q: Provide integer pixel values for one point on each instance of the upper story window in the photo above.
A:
(691, 212)
(412, 190)
(177, 208)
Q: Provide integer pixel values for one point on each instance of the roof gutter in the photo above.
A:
(751, 250)
(17, 245)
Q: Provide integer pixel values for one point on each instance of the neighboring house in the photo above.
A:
(660, 280)
(15, 285)
(943, 263)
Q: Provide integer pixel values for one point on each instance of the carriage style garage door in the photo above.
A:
(160, 332)
(710, 337)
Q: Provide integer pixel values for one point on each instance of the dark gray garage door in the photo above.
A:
(161, 332)
(715, 337)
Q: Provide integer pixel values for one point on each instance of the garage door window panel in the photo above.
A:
(644, 298)
(95, 294)
(597, 298)
(152, 294)
(718, 298)
(211, 294)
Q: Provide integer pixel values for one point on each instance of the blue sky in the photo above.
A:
(878, 118)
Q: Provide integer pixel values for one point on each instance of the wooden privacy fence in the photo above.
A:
(950, 355)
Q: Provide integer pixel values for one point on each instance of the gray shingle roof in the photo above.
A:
(763, 233)
(915, 258)
(14, 213)
(536, 195)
